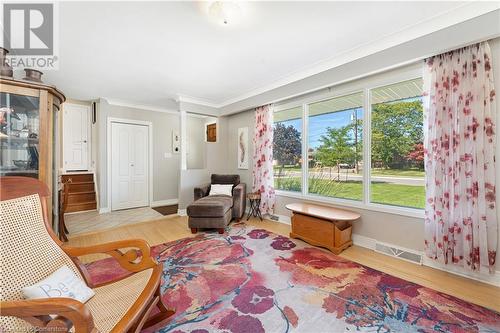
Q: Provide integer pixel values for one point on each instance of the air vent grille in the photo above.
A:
(404, 254)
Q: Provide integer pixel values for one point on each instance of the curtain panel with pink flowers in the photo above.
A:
(263, 180)
(459, 125)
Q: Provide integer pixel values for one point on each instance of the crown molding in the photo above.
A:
(454, 16)
(120, 102)
(467, 11)
(196, 100)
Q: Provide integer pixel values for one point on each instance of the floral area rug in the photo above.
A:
(250, 281)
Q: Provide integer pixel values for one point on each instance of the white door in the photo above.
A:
(129, 165)
(76, 133)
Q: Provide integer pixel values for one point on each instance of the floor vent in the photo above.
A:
(274, 217)
(404, 254)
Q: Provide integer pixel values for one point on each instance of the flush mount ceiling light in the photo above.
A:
(224, 12)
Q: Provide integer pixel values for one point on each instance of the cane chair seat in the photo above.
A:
(27, 252)
(112, 301)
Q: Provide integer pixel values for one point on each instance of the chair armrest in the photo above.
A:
(129, 260)
(201, 191)
(239, 200)
(69, 313)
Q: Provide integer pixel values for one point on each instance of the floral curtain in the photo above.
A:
(263, 180)
(459, 125)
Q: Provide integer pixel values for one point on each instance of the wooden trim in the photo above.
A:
(16, 90)
(69, 313)
(44, 169)
(20, 84)
(129, 260)
(49, 167)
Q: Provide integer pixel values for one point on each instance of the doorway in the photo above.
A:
(129, 164)
(76, 137)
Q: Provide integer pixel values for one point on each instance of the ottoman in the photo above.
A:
(213, 211)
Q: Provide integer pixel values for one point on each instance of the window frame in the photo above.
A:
(364, 85)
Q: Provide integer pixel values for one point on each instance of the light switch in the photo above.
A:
(167, 155)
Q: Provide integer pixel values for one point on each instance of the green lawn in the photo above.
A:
(384, 193)
(399, 172)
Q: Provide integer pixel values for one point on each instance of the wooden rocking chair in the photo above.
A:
(31, 252)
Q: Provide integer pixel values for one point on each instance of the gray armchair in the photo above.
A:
(217, 211)
(239, 192)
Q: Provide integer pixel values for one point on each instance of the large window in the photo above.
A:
(340, 163)
(287, 150)
(335, 129)
(397, 150)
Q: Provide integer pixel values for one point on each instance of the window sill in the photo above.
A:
(403, 211)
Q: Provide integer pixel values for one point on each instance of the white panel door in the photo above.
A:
(76, 132)
(129, 166)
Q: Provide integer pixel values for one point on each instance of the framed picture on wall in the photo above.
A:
(243, 148)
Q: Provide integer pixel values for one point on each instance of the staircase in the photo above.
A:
(81, 192)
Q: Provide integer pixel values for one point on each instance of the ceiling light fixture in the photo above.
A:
(224, 12)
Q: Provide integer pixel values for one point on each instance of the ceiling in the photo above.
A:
(149, 53)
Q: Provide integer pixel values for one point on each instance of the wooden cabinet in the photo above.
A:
(28, 123)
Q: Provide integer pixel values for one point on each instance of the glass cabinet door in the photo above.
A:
(19, 135)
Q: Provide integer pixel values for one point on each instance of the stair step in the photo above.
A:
(81, 187)
(75, 178)
(78, 207)
(81, 197)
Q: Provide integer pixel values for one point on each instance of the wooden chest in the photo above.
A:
(322, 226)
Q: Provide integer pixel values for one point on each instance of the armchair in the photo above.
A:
(32, 251)
(217, 211)
(239, 192)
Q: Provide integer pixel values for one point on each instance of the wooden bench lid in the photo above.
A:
(323, 212)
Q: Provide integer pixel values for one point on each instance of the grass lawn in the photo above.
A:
(384, 193)
(398, 172)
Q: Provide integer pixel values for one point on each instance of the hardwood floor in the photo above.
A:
(175, 227)
(88, 222)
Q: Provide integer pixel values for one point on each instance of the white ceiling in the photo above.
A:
(149, 52)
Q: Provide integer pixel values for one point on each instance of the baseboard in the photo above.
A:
(493, 279)
(81, 211)
(181, 212)
(283, 219)
(363, 241)
(104, 210)
(167, 202)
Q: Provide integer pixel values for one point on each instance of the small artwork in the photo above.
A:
(243, 148)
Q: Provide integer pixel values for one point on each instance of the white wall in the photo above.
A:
(189, 179)
(196, 145)
(165, 170)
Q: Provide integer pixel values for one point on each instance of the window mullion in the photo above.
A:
(305, 154)
(367, 146)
